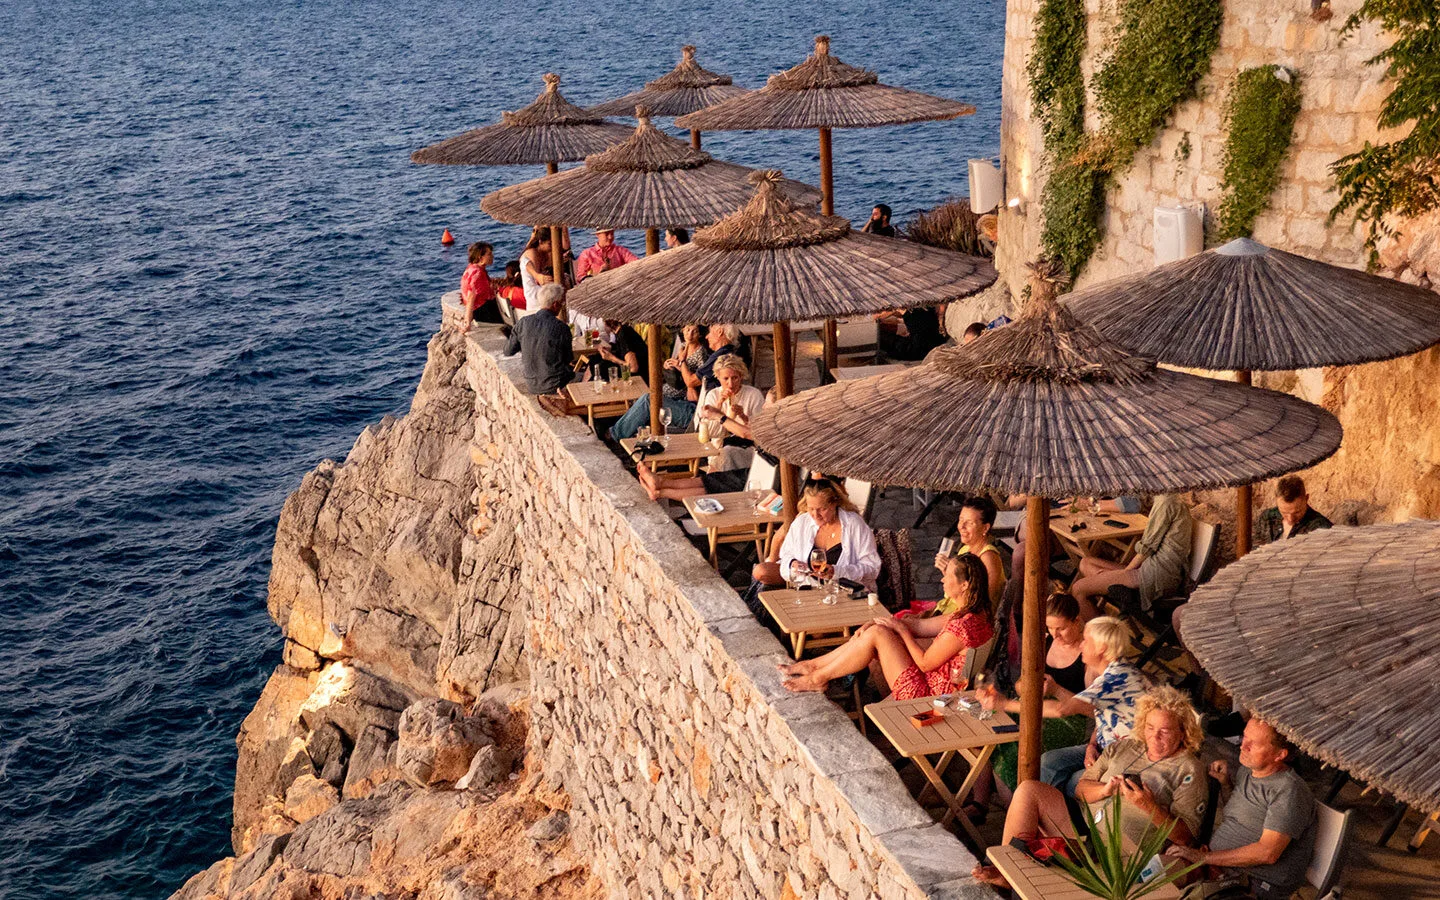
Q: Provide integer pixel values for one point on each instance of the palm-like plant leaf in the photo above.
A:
(1103, 867)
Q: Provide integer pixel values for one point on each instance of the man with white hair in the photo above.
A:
(543, 342)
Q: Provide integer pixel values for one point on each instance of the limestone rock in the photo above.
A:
(308, 797)
(490, 765)
(213, 882)
(372, 763)
(350, 698)
(437, 741)
(327, 749)
(338, 841)
(250, 867)
(264, 743)
(552, 827)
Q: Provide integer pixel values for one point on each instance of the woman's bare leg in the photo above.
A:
(1037, 808)
(847, 659)
(767, 573)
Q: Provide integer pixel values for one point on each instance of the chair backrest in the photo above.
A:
(1332, 832)
(862, 494)
(1204, 540)
(977, 658)
(895, 583)
(854, 335)
(763, 474)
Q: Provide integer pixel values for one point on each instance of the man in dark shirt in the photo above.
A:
(544, 343)
(627, 349)
(1292, 515)
(916, 333)
(879, 221)
(1266, 835)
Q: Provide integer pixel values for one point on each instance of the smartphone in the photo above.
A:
(1005, 729)
(1114, 524)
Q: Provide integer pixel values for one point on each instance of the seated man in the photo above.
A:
(723, 340)
(1266, 833)
(1155, 771)
(627, 348)
(1291, 515)
(543, 342)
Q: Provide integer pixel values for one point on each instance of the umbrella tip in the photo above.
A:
(1242, 247)
(642, 112)
(687, 52)
(552, 82)
(822, 45)
(765, 176)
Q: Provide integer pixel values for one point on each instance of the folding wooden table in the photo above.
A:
(605, 399)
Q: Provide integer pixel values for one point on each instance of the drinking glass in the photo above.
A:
(643, 434)
(612, 374)
(665, 419)
(982, 713)
(817, 560)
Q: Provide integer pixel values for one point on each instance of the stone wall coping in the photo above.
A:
(934, 858)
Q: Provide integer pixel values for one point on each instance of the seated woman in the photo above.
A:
(910, 670)
(728, 409)
(829, 521)
(977, 519)
(1065, 726)
(1158, 566)
(1156, 773)
(1110, 697)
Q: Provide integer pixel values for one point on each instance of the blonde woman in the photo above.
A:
(1155, 772)
(829, 522)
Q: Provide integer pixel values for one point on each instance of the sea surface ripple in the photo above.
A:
(218, 266)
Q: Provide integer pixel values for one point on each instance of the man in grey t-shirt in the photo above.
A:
(1267, 832)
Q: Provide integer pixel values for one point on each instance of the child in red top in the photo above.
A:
(476, 293)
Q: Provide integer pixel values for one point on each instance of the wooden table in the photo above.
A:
(1082, 541)
(961, 732)
(850, 373)
(605, 402)
(683, 451)
(736, 523)
(813, 616)
(1031, 880)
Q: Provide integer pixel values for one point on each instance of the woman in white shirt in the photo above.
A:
(535, 257)
(726, 412)
(828, 521)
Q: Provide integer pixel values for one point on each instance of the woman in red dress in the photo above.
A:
(912, 671)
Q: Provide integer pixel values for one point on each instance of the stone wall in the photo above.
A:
(655, 703)
(1389, 466)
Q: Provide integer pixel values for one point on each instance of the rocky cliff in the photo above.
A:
(385, 757)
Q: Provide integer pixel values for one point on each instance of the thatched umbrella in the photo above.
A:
(1331, 638)
(1047, 407)
(649, 181)
(777, 261)
(824, 93)
(1246, 307)
(684, 89)
(551, 130)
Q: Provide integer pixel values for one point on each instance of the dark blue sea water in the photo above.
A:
(216, 265)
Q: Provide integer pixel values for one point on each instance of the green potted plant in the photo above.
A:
(1101, 864)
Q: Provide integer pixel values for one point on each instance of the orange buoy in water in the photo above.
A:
(447, 238)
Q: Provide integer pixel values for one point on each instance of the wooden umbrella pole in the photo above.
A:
(695, 138)
(652, 343)
(784, 387)
(827, 207)
(1244, 498)
(557, 239)
(1032, 638)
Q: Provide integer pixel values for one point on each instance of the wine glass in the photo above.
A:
(957, 684)
(983, 713)
(665, 419)
(817, 561)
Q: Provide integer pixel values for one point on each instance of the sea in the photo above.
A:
(218, 264)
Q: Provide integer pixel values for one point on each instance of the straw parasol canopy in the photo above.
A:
(1245, 306)
(823, 92)
(776, 260)
(1048, 407)
(550, 130)
(1330, 637)
(684, 89)
(650, 180)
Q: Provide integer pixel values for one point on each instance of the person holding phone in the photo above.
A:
(1156, 772)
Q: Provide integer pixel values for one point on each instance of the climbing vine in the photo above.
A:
(1401, 177)
(1161, 50)
(1260, 122)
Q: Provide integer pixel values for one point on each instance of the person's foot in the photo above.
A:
(805, 684)
(989, 875)
(651, 490)
(792, 670)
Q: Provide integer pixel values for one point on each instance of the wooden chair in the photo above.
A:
(856, 339)
(862, 494)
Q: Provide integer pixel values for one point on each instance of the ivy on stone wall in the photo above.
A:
(1402, 177)
(1161, 50)
(1260, 122)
